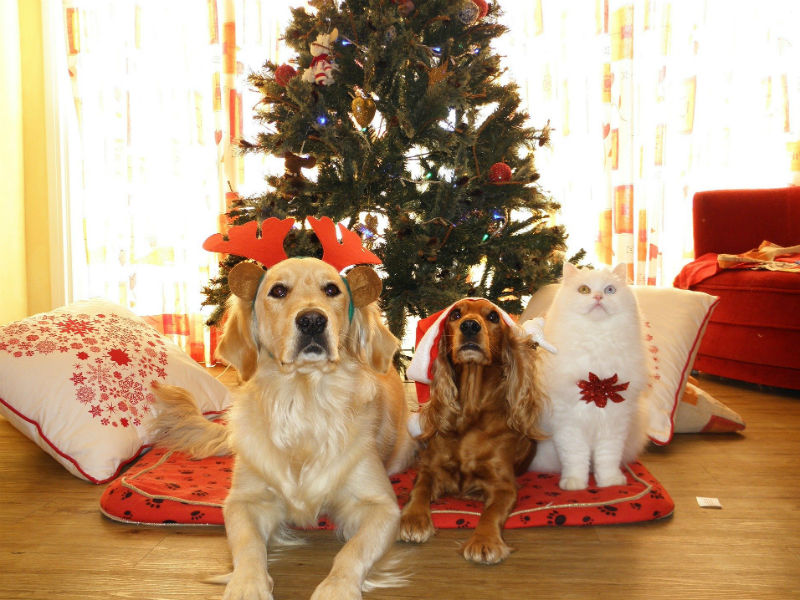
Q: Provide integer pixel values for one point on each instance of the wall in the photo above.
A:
(37, 221)
(14, 295)
(25, 241)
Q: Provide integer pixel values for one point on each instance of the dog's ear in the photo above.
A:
(243, 280)
(370, 340)
(365, 286)
(525, 400)
(237, 347)
(441, 411)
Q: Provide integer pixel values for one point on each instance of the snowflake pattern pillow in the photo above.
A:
(76, 381)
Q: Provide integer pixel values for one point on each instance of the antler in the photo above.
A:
(242, 241)
(349, 252)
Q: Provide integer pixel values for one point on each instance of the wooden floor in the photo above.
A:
(56, 545)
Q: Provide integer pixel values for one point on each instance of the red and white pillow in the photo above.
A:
(76, 381)
(675, 321)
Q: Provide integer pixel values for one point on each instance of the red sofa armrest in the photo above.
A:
(734, 221)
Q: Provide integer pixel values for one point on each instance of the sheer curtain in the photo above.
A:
(648, 100)
(159, 93)
(653, 100)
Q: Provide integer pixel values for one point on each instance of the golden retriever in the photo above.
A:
(316, 425)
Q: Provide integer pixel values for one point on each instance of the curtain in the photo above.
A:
(650, 101)
(159, 93)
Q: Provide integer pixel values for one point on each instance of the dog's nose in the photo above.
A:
(311, 322)
(470, 327)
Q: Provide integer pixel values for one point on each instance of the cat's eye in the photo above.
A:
(584, 289)
(610, 289)
(278, 291)
(331, 290)
(455, 314)
(493, 317)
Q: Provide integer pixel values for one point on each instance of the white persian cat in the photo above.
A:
(596, 382)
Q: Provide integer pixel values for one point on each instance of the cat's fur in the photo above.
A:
(600, 332)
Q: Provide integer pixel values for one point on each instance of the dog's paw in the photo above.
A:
(487, 550)
(242, 587)
(336, 588)
(416, 527)
(607, 479)
(573, 483)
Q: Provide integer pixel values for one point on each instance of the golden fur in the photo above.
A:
(479, 426)
(316, 425)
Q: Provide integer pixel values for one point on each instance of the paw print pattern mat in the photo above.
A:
(169, 488)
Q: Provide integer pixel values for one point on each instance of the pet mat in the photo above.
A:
(169, 488)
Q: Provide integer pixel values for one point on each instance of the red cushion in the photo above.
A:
(754, 334)
(166, 487)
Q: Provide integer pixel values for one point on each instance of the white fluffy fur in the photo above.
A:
(598, 331)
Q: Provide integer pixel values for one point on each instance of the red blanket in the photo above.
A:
(169, 488)
(767, 256)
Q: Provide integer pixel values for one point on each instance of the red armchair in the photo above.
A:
(754, 333)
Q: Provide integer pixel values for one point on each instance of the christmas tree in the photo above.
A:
(397, 124)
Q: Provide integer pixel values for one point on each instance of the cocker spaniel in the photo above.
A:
(316, 425)
(479, 426)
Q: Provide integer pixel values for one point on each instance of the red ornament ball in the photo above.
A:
(483, 8)
(283, 74)
(499, 173)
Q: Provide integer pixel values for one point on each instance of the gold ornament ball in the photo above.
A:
(363, 110)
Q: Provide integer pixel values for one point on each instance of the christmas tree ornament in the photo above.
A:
(483, 8)
(406, 7)
(390, 35)
(499, 173)
(467, 12)
(363, 110)
(322, 66)
(437, 74)
(293, 163)
(283, 74)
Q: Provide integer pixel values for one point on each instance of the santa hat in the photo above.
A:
(429, 332)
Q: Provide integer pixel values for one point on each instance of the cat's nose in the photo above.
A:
(598, 297)
(470, 327)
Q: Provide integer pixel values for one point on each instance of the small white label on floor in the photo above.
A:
(708, 502)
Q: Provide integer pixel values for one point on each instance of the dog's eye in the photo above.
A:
(331, 290)
(455, 314)
(493, 317)
(278, 291)
(584, 289)
(610, 289)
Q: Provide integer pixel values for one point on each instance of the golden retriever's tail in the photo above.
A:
(179, 425)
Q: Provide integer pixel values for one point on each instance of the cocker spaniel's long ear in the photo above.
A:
(439, 414)
(525, 400)
(237, 346)
(369, 339)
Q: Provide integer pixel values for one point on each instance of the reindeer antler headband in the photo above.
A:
(362, 283)
(268, 249)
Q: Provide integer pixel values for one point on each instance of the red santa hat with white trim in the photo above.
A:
(421, 367)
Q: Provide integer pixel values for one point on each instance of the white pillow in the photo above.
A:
(76, 381)
(675, 321)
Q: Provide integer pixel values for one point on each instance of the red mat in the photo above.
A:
(169, 488)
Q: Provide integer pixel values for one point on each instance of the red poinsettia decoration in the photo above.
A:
(600, 391)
